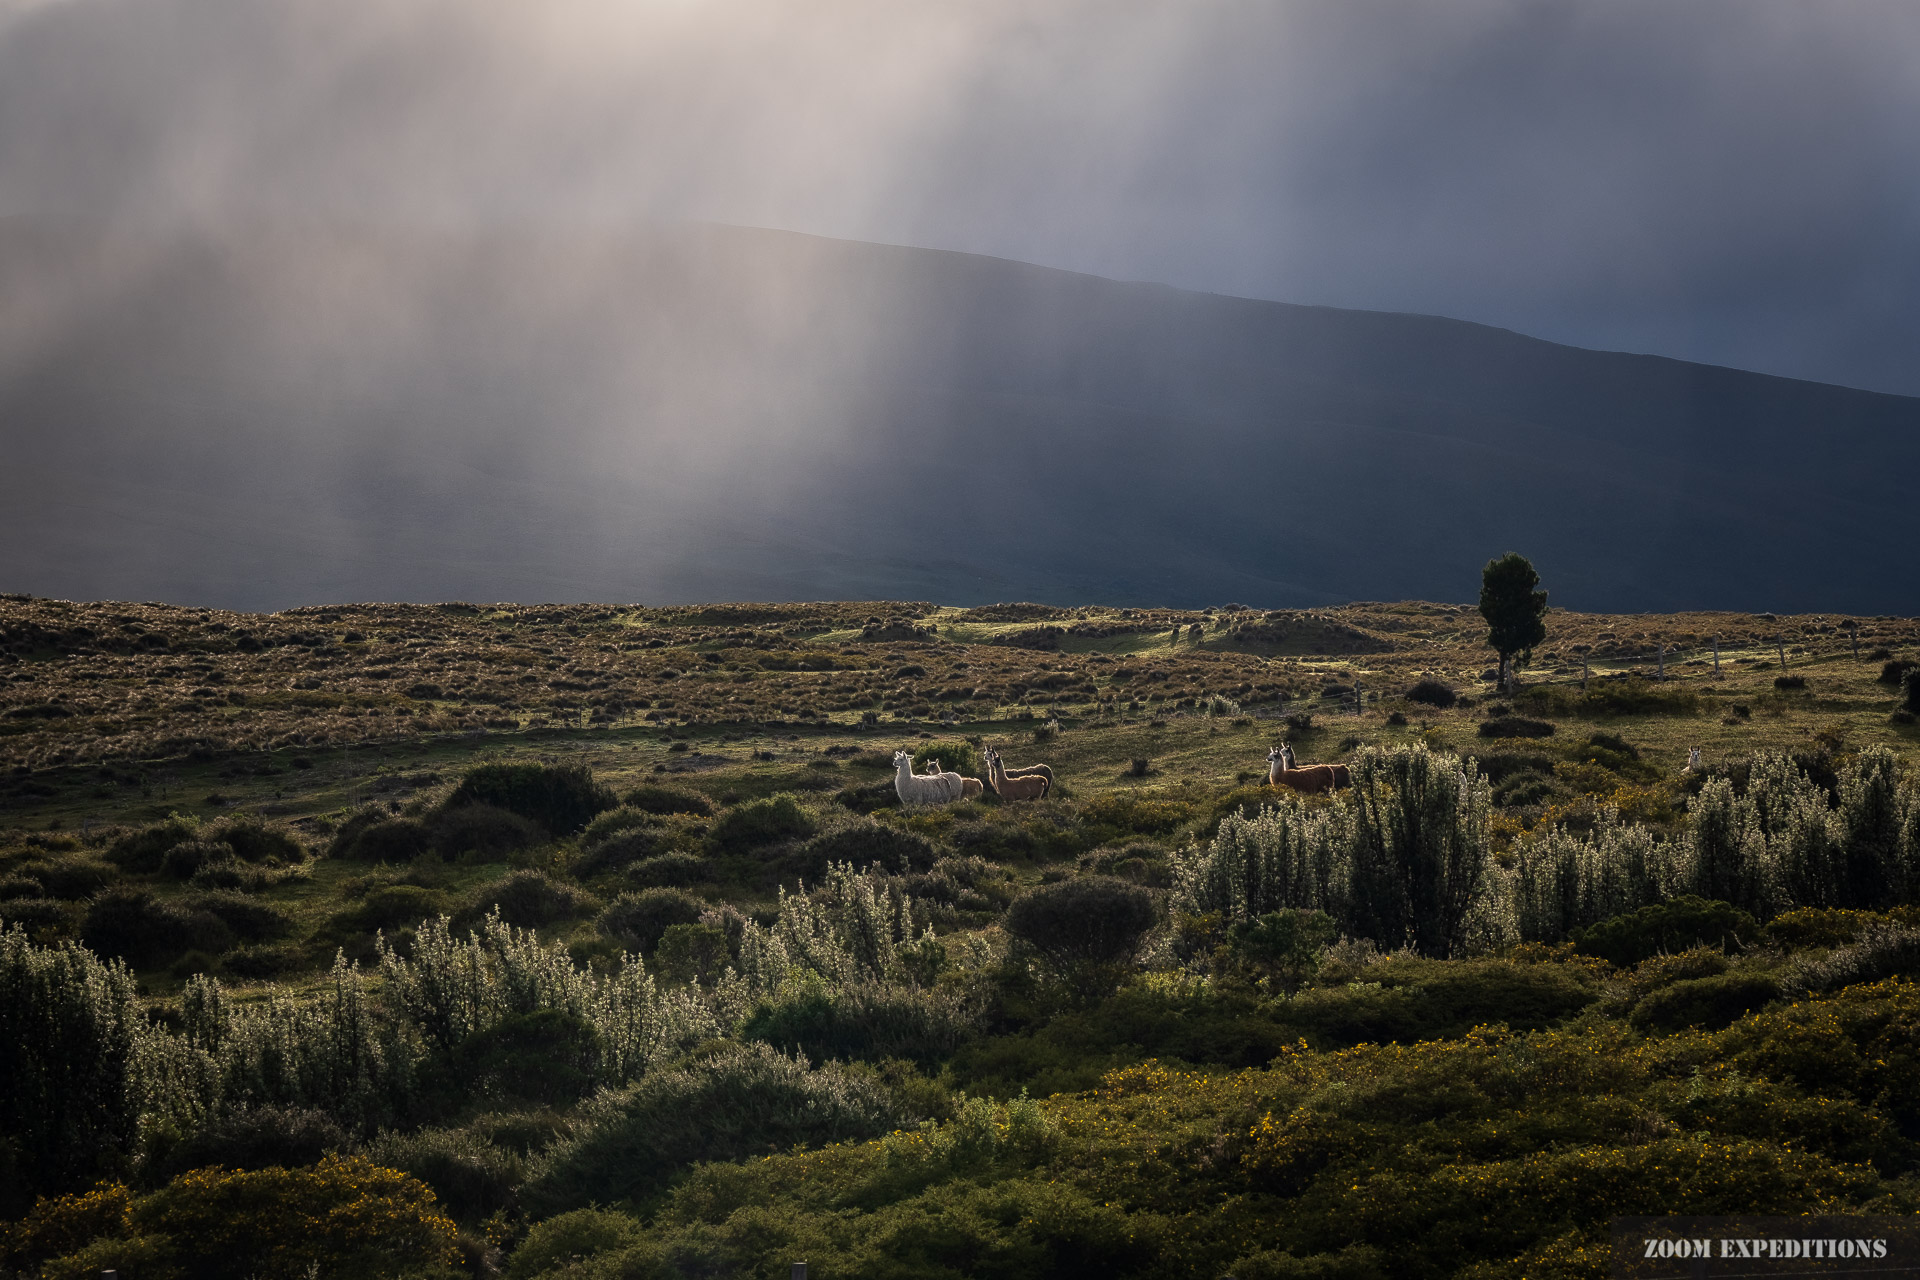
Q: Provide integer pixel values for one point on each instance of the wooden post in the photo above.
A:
(1583, 673)
(1663, 662)
(1358, 697)
(1780, 643)
(1716, 655)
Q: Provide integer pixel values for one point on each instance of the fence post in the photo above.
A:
(1780, 643)
(1358, 697)
(1663, 662)
(799, 1271)
(1583, 673)
(1716, 655)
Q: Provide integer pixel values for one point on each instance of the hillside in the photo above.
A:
(275, 415)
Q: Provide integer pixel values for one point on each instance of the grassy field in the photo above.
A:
(256, 795)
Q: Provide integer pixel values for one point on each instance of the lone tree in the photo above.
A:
(1513, 609)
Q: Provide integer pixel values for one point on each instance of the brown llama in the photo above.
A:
(1311, 779)
(1032, 787)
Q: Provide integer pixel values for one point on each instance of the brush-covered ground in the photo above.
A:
(604, 924)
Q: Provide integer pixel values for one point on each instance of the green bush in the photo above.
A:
(668, 871)
(190, 857)
(613, 822)
(1882, 951)
(649, 838)
(637, 920)
(1088, 929)
(1419, 850)
(384, 839)
(692, 953)
(132, 925)
(1516, 727)
(1708, 1003)
(255, 840)
(1407, 1001)
(664, 798)
(528, 900)
(481, 833)
(561, 798)
(740, 1101)
(471, 1176)
(762, 822)
(869, 1021)
(567, 1239)
(546, 1056)
(1679, 925)
(1433, 693)
(861, 843)
(388, 907)
(144, 849)
(250, 919)
(71, 879)
(264, 1137)
(954, 757)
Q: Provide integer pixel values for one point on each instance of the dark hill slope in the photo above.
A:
(289, 414)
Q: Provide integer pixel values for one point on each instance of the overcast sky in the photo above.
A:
(1734, 181)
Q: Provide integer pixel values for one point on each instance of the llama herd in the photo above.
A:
(939, 786)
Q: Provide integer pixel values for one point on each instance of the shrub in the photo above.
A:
(692, 953)
(1682, 924)
(1419, 849)
(394, 840)
(73, 879)
(868, 1021)
(1895, 672)
(343, 1216)
(637, 920)
(1516, 727)
(134, 926)
(667, 871)
(143, 850)
(652, 836)
(190, 857)
(613, 822)
(1286, 945)
(529, 900)
(1789, 682)
(545, 1056)
(954, 757)
(254, 840)
(1882, 951)
(472, 1177)
(762, 822)
(1708, 1003)
(578, 1235)
(861, 843)
(263, 1137)
(741, 1101)
(663, 798)
(1433, 693)
(389, 907)
(250, 919)
(1088, 928)
(561, 798)
(1910, 692)
(481, 833)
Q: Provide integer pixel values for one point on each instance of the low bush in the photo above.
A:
(758, 823)
(1433, 693)
(1087, 929)
(740, 1101)
(561, 798)
(637, 920)
(869, 1021)
(664, 798)
(72, 879)
(471, 1176)
(144, 850)
(1516, 727)
(547, 1056)
(266, 1137)
(388, 907)
(1708, 1003)
(668, 871)
(256, 840)
(380, 838)
(528, 900)
(1882, 951)
(954, 756)
(250, 919)
(649, 837)
(863, 842)
(613, 822)
(1678, 925)
(1910, 692)
(568, 1239)
(696, 953)
(1407, 1001)
(481, 833)
(1895, 672)
(134, 926)
(1789, 682)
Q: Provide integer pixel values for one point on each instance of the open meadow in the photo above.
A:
(594, 940)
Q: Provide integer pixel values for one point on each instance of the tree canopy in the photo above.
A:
(1514, 611)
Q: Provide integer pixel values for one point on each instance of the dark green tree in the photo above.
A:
(1514, 611)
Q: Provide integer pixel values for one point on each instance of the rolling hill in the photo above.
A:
(272, 414)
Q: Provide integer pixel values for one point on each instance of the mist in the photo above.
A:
(411, 297)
